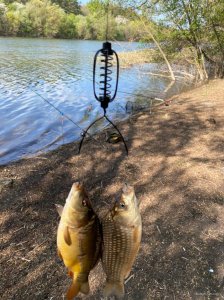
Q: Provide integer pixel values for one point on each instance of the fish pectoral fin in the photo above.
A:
(73, 290)
(115, 289)
(67, 236)
(70, 273)
(59, 209)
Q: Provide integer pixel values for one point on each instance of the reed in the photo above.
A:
(128, 59)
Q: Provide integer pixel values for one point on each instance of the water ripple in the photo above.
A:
(61, 72)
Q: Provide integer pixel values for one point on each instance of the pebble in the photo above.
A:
(4, 182)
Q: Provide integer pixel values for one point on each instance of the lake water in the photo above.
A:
(60, 71)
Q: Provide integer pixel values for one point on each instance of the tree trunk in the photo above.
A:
(221, 63)
(160, 50)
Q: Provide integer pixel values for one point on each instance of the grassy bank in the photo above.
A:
(180, 60)
(131, 58)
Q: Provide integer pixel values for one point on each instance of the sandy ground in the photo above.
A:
(176, 164)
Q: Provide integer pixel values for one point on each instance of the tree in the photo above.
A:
(96, 6)
(3, 11)
(197, 23)
(41, 18)
(69, 6)
(14, 18)
(214, 16)
(68, 27)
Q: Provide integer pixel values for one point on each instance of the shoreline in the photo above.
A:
(42, 154)
(138, 108)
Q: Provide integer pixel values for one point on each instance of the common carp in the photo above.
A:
(122, 230)
(78, 239)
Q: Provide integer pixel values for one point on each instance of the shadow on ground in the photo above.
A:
(176, 165)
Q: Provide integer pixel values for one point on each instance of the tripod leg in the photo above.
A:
(126, 147)
(86, 131)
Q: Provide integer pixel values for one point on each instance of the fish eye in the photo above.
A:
(122, 205)
(84, 203)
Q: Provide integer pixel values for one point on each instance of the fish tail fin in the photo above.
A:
(116, 289)
(73, 290)
(84, 288)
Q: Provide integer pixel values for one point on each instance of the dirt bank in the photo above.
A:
(176, 164)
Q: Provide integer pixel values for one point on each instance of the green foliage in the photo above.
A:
(199, 23)
(13, 21)
(96, 6)
(69, 6)
(64, 19)
(81, 27)
(68, 27)
(196, 24)
(3, 20)
(35, 18)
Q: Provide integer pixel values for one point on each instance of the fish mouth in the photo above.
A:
(127, 189)
(77, 186)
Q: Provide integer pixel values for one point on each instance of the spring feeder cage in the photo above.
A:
(103, 90)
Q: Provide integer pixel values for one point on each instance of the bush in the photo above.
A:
(68, 27)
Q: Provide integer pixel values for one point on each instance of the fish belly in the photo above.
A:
(69, 253)
(80, 256)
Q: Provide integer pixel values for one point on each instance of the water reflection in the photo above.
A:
(61, 72)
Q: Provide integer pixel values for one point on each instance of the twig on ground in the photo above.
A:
(197, 249)
(19, 250)
(129, 278)
(21, 243)
(18, 229)
(184, 258)
(158, 229)
(37, 246)
(23, 258)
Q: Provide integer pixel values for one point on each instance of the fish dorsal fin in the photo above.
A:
(67, 236)
(59, 209)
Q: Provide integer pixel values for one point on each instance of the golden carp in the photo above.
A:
(122, 230)
(78, 239)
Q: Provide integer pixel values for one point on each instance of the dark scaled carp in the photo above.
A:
(122, 230)
(78, 239)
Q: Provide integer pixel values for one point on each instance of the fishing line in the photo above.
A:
(85, 132)
(107, 20)
(64, 115)
(62, 130)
